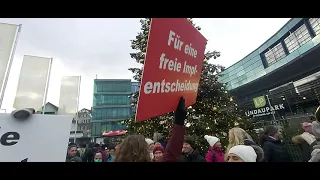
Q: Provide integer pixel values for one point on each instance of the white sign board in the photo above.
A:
(40, 138)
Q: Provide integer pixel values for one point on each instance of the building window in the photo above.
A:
(315, 24)
(274, 54)
(298, 38)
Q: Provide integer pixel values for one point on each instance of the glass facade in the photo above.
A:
(315, 24)
(291, 41)
(111, 105)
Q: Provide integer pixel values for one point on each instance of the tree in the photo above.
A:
(214, 112)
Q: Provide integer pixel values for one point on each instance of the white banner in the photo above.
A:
(7, 38)
(22, 140)
(69, 95)
(32, 82)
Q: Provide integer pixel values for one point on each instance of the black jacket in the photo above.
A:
(193, 157)
(274, 150)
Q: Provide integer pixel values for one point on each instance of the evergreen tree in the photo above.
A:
(215, 111)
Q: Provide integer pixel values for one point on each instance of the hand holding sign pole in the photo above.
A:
(173, 66)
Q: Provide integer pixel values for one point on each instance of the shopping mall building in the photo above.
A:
(281, 78)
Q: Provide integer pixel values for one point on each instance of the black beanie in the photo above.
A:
(191, 141)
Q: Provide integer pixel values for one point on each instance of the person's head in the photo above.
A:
(213, 141)
(236, 137)
(72, 150)
(242, 153)
(150, 144)
(133, 149)
(157, 137)
(98, 157)
(112, 150)
(189, 144)
(272, 131)
(157, 144)
(307, 127)
(158, 152)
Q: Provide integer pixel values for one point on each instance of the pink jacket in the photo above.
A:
(219, 156)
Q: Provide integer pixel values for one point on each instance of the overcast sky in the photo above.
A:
(90, 47)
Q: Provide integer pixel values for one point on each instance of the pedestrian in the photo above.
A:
(215, 153)
(158, 153)
(190, 152)
(242, 153)
(274, 150)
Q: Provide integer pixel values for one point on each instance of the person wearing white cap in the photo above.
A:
(215, 153)
(242, 153)
(151, 146)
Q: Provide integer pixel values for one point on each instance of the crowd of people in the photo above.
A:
(182, 148)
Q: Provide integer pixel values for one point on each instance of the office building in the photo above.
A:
(111, 104)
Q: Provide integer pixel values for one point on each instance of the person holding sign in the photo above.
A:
(135, 149)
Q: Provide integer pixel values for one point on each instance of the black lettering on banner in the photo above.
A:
(9, 138)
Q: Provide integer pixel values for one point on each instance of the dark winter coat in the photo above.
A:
(192, 157)
(274, 150)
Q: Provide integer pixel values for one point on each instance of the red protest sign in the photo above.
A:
(172, 68)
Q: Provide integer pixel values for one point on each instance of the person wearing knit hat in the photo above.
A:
(242, 153)
(273, 148)
(215, 153)
(190, 152)
(305, 141)
(158, 153)
(150, 146)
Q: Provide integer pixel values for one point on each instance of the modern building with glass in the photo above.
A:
(111, 104)
(279, 82)
(282, 75)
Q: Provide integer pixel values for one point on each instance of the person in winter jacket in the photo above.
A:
(135, 149)
(304, 141)
(150, 146)
(273, 148)
(215, 153)
(242, 153)
(158, 153)
(190, 152)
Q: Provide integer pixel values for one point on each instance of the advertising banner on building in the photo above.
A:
(7, 38)
(173, 65)
(69, 95)
(31, 90)
(22, 140)
(263, 108)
